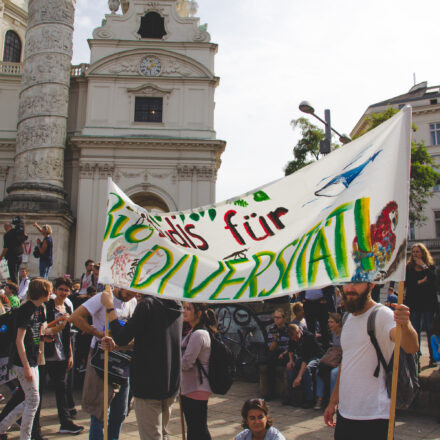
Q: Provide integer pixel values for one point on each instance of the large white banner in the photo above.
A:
(343, 218)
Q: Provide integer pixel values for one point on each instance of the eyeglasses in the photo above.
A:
(278, 317)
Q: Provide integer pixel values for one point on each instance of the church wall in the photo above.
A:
(203, 53)
(9, 90)
(187, 108)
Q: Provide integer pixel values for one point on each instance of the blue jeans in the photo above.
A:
(117, 414)
(307, 379)
(333, 379)
(44, 268)
(416, 321)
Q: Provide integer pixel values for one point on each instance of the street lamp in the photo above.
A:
(306, 107)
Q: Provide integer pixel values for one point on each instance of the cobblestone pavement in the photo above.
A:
(224, 420)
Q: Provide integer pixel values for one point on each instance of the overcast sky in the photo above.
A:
(342, 55)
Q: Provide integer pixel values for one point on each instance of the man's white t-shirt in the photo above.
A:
(361, 395)
(23, 288)
(123, 310)
(86, 282)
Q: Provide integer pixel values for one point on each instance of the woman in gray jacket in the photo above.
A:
(196, 349)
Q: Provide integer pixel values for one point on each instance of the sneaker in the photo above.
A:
(70, 428)
(318, 404)
(432, 363)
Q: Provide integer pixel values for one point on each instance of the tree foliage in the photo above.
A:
(306, 150)
(423, 168)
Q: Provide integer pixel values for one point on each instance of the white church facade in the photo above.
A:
(141, 112)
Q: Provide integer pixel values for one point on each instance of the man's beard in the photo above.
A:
(355, 303)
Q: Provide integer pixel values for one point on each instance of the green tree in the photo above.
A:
(423, 169)
(306, 150)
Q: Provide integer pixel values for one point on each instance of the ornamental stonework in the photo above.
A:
(49, 11)
(49, 67)
(185, 172)
(53, 100)
(170, 67)
(41, 132)
(41, 165)
(205, 173)
(56, 38)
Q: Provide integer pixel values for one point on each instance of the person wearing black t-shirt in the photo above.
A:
(13, 246)
(30, 318)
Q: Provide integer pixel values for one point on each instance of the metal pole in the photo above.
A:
(326, 143)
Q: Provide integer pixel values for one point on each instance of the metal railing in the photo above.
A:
(8, 68)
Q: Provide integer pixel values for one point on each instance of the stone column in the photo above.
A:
(41, 131)
(37, 192)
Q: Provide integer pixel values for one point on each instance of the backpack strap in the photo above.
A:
(199, 364)
(344, 319)
(372, 334)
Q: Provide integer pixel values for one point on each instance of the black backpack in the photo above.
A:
(8, 331)
(407, 379)
(8, 334)
(221, 366)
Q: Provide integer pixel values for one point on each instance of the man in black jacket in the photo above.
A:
(304, 354)
(13, 246)
(156, 326)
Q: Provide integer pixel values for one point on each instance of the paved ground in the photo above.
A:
(224, 420)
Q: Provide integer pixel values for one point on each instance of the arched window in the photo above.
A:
(152, 26)
(149, 201)
(12, 50)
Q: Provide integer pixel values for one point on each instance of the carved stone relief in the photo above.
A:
(53, 101)
(185, 172)
(201, 35)
(55, 38)
(154, 6)
(205, 173)
(41, 11)
(41, 132)
(86, 170)
(41, 165)
(105, 170)
(4, 171)
(48, 67)
(170, 67)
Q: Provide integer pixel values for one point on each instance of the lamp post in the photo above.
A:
(325, 145)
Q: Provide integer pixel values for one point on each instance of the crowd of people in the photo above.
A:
(168, 347)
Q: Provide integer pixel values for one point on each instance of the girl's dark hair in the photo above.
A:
(63, 281)
(259, 404)
(208, 318)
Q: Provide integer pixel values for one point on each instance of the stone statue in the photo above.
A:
(113, 5)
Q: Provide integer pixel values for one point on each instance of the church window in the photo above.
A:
(152, 26)
(435, 133)
(12, 52)
(148, 109)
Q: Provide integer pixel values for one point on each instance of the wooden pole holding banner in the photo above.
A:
(395, 368)
(106, 380)
(182, 421)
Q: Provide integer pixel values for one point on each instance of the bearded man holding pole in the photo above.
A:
(359, 398)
